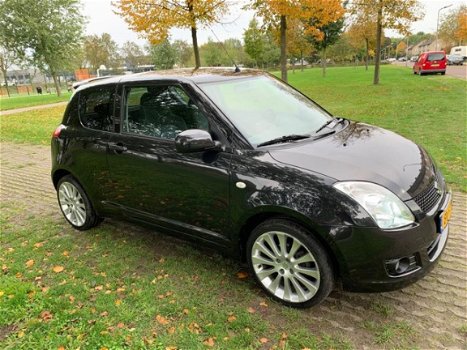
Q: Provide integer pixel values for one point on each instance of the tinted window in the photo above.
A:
(161, 111)
(96, 106)
(436, 56)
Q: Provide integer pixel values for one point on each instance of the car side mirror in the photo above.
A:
(196, 140)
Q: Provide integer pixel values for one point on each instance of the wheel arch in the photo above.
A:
(258, 218)
(58, 174)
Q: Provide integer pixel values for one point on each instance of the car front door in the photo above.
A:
(187, 192)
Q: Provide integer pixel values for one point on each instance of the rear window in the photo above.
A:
(96, 108)
(435, 57)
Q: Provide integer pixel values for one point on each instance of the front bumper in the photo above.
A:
(366, 254)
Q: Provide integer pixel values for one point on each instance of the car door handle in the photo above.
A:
(117, 147)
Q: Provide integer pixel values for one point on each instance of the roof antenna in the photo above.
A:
(237, 70)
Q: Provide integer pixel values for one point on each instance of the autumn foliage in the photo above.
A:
(153, 19)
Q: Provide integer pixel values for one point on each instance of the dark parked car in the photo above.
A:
(244, 163)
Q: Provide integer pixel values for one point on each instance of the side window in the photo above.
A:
(95, 108)
(161, 111)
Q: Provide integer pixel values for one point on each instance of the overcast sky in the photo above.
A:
(101, 19)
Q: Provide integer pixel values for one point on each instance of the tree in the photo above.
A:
(363, 33)
(278, 13)
(401, 48)
(155, 18)
(453, 26)
(48, 33)
(184, 52)
(101, 50)
(163, 55)
(298, 45)
(133, 55)
(390, 14)
(7, 59)
(253, 38)
(323, 36)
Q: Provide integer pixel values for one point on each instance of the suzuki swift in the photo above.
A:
(244, 163)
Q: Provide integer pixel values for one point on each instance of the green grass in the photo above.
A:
(119, 290)
(32, 100)
(430, 110)
(35, 127)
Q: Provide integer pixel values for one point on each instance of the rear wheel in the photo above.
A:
(289, 264)
(443, 73)
(75, 204)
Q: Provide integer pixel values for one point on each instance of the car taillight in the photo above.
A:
(58, 130)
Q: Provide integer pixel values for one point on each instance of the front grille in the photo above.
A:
(427, 199)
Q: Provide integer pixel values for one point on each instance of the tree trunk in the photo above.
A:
(293, 65)
(379, 29)
(367, 54)
(301, 61)
(283, 48)
(194, 36)
(323, 63)
(57, 85)
(6, 82)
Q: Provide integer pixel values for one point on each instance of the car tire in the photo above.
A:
(75, 204)
(289, 263)
(443, 73)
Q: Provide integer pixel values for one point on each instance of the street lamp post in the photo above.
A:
(437, 24)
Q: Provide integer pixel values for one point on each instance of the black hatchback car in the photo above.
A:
(244, 163)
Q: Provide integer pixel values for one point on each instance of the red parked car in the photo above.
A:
(430, 62)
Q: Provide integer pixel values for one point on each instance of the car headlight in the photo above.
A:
(384, 207)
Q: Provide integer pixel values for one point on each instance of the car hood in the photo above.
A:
(361, 152)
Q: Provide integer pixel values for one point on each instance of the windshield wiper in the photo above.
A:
(282, 139)
(335, 120)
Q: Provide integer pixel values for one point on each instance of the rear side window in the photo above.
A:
(71, 112)
(96, 108)
(435, 56)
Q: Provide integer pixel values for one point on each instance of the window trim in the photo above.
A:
(112, 104)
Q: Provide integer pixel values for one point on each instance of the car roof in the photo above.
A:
(197, 76)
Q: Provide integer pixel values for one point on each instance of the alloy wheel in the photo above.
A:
(285, 267)
(72, 204)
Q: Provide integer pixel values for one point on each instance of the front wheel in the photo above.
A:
(75, 204)
(289, 263)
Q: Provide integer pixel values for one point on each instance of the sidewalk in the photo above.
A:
(32, 108)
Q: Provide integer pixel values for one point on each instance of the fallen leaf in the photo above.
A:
(171, 347)
(46, 316)
(58, 269)
(171, 330)
(38, 244)
(119, 290)
(263, 304)
(283, 340)
(66, 253)
(104, 313)
(118, 302)
(104, 348)
(186, 311)
(20, 334)
(29, 263)
(162, 320)
(231, 318)
(194, 328)
(120, 325)
(61, 347)
(209, 342)
(98, 287)
(263, 340)
(242, 275)
(251, 310)
(2, 293)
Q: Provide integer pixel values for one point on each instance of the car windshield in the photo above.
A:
(264, 108)
(435, 56)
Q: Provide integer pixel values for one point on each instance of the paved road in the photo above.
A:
(32, 108)
(435, 307)
(453, 71)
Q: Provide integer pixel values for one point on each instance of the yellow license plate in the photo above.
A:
(435, 65)
(446, 215)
